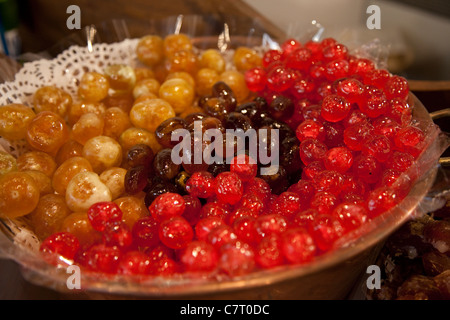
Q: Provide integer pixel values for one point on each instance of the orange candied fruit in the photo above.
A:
(14, 121)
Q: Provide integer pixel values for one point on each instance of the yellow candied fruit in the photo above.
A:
(133, 208)
(14, 121)
(143, 73)
(79, 108)
(133, 136)
(150, 50)
(88, 126)
(68, 150)
(19, 194)
(102, 152)
(47, 132)
(52, 98)
(77, 223)
(236, 81)
(178, 92)
(245, 58)
(43, 182)
(36, 160)
(116, 121)
(205, 79)
(93, 87)
(146, 86)
(7, 163)
(212, 59)
(114, 179)
(85, 189)
(183, 75)
(49, 215)
(122, 100)
(67, 170)
(173, 43)
(150, 113)
(121, 77)
(183, 60)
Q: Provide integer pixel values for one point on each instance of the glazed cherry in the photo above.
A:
(256, 79)
(287, 204)
(299, 59)
(103, 258)
(237, 258)
(244, 228)
(221, 235)
(367, 168)
(134, 263)
(312, 150)
(298, 246)
(335, 108)
(201, 184)
(279, 79)
(244, 166)
(351, 89)
(229, 187)
(338, 159)
(350, 215)
(269, 224)
(102, 213)
(309, 128)
(62, 244)
(205, 225)
(269, 252)
(199, 256)
(145, 232)
(329, 181)
(381, 200)
(166, 206)
(409, 140)
(396, 87)
(117, 234)
(192, 209)
(356, 135)
(176, 232)
(323, 201)
(325, 230)
(400, 161)
(379, 147)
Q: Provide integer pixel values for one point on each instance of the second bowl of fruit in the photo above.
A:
(249, 173)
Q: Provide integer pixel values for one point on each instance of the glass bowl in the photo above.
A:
(329, 276)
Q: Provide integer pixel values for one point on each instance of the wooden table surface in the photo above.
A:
(44, 25)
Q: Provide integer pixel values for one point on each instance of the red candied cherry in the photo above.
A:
(304, 218)
(166, 206)
(237, 258)
(298, 246)
(289, 46)
(175, 232)
(367, 168)
(271, 56)
(311, 169)
(287, 204)
(400, 161)
(244, 166)
(268, 224)
(316, 49)
(396, 87)
(323, 90)
(145, 232)
(379, 147)
(325, 230)
(215, 209)
(354, 116)
(305, 189)
(244, 228)
(400, 110)
(312, 150)
(199, 256)
(257, 186)
(352, 184)
(334, 134)
(103, 258)
(57, 244)
(101, 213)
(205, 225)
(160, 251)
(317, 71)
(192, 209)
(409, 139)
(241, 212)
(377, 78)
(336, 69)
(385, 126)
(299, 59)
(118, 234)
(221, 235)
(200, 184)
(256, 79)
(356, 135)
(335, 51)
(338, 159)
(134, 263)
(310, 129)
(312, 112)
(323, 201)
(327, 42)
(280, 79)
(374, 106)
(350, 88)
(253, 202)
(228, 187)
(329, 181)
(334, 108)
(268, 252)
(350, 215)
(361, 66)
(303, 88)
(164, 267)
(389, 177)
(380, 200)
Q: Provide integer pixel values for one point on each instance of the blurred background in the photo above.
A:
(416, 32)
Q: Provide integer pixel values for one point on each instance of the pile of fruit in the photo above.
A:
(99, 185)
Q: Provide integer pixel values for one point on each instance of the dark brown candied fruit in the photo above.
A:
(206, 123)
(140, 155)
(236, 120)
(418, 287)
(166, 128)
(136, 179)
(157, 188)
(222, 90)
(213, 106)
(163, 165)
(281, 108)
